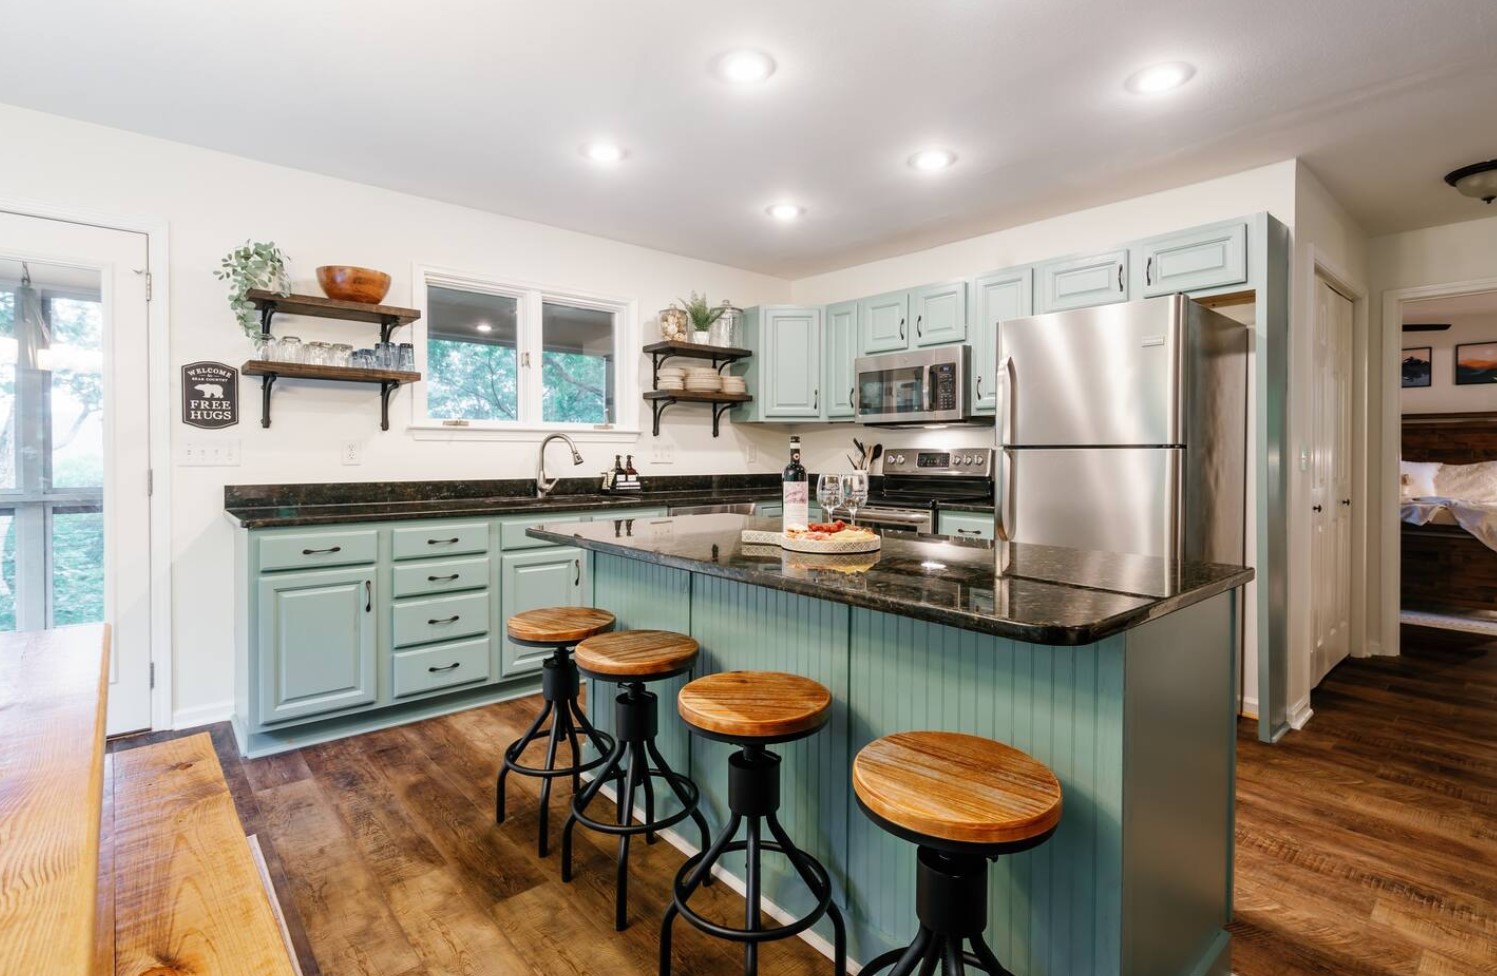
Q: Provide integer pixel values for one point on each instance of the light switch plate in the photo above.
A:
(663, 454)
(216, 453)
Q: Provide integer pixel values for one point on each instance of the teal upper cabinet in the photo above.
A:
(837, 367)
(556, 576)
(939, 313)
(885, 321)
(1208, 257)
(791, 360)
(996, 296)
(1081, 282)
(316, 642)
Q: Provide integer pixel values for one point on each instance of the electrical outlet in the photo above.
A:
(215, 453)
(352, 453)
(750, 451)
(663, 454)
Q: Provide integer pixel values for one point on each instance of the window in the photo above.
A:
(501, 356)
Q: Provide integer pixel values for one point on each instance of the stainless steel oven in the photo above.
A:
(928, 386)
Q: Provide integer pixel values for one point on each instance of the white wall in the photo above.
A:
(1442, 395)
(215, 201)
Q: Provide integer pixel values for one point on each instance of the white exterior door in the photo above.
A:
(74, 442)
(1330, 479)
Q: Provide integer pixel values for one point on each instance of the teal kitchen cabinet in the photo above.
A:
(555, 576)
(1194, 260)
(884, 321)
(996, 296)
(841, 347)
(784, 374)
(317, 642)
(939, 313)
(965, 525)
(1081, 282)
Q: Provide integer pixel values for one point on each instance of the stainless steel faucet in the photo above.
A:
(543, 485)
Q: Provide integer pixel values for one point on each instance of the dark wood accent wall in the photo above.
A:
(1444, 567)
(1452, 438)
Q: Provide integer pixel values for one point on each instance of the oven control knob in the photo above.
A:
(959, 460)
(897, 458)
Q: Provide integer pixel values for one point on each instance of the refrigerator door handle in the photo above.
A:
(1005, 508)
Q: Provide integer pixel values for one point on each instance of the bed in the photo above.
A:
(1449, 539)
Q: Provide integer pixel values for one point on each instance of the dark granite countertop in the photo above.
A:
(1050, 596)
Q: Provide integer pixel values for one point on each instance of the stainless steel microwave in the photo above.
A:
(927, 386)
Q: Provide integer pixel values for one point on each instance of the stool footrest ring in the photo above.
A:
(514, 765)
(645, 827)
(823, 896)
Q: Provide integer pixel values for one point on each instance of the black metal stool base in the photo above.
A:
(559, 685)
(951, 900)
(753, 798)
(630, 763)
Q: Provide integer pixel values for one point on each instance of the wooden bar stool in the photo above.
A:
(559, 628)
(754, 709)
(631, 658)
(964, 800)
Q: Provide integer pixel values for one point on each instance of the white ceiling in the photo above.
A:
(485, 103)
(1442, 309)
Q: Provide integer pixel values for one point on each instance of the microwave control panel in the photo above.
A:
(943, 383)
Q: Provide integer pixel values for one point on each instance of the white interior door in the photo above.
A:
(74, 442)
(1330, 479)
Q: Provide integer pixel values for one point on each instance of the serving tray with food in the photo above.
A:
(819, 537)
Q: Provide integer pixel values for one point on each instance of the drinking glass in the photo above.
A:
(363, 358)
(829, 494)
(341, 355)
(854, 492)
(317, 353)
(406, 357)
(384, 355)
(288, 349)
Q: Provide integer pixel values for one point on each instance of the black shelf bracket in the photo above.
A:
(267, 312)
(266, 382)
(387, 325)
(718, 409)
(386, 388)
(657, 407)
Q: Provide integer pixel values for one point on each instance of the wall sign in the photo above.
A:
(210, 395)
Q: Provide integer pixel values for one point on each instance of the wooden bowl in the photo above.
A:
(349, 284)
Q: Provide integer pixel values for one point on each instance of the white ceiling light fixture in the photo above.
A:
(932, 160)
(744, 67)
(605, 153)
(1159, 78)
(484, 327)
(785, 211)
(1479, 180)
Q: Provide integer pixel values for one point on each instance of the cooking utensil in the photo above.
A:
(877, 452)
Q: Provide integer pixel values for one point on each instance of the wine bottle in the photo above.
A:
(797, 493)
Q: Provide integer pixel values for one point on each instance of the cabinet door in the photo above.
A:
(841, 349)
(315, 643)
(940, 313)
(998, 296)
(884, 321)
(1209, 257)
(1082, 282)
(792, 349)
(557, 576)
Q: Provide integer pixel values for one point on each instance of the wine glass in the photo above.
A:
(854, 492)
(829, 494)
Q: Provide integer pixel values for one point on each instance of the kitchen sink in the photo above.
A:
(731, 508)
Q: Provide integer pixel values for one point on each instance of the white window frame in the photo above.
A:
(529, 343)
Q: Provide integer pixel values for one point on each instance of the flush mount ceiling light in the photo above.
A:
(1478, 180)
(603, 152)
(744, 67)
(484, 327)
(930, 160)
(784, 211)
(1159, 78)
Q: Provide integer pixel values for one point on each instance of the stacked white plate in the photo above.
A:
(734, 384)
(700, 380)
(671, 378)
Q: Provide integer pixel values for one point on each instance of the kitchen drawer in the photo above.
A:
(440, 576)
(323, 547)
(966, 525)
(441, 618)
(512, 530)
(442, 666)
(439, 539)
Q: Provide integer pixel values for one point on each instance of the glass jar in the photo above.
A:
(341, 355)
(288, 349)
(318, 353)
(725, 329)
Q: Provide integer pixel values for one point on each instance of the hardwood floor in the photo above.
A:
(1367, 843)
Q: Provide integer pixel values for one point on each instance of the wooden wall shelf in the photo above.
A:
(719, 356)
(387, 317)
(388, 379)
(661, 399)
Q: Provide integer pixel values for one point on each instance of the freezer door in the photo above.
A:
(1123, 500)
(1108, 375)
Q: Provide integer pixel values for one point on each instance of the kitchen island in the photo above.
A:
(1116, 671)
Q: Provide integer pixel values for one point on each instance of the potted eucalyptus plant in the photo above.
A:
(253, 265)
(701, 316)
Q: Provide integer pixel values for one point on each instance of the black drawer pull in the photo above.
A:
(969, 531)
(451, 667)
(315, 552)
(443, 579)
(450, 620)
(443, 542)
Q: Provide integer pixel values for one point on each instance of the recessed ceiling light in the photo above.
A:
(744, 67)
(930, 160)
(484, 327)
(1159, 78)
(603, 152)
(785, 211)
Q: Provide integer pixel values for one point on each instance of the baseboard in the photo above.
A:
(1249, 708)
(1300, 713)
(191, 718)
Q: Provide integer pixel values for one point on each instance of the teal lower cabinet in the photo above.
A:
(317, 632)
(1138, 727)
(556, 576)
(965, 525)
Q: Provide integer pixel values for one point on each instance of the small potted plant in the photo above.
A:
(702, 316)
(254, 265)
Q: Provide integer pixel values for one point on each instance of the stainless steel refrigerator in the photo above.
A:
(1123, 428)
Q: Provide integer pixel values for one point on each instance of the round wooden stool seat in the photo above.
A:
(753, 705)
(957, 788)
(561, 626)
(636, 655)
